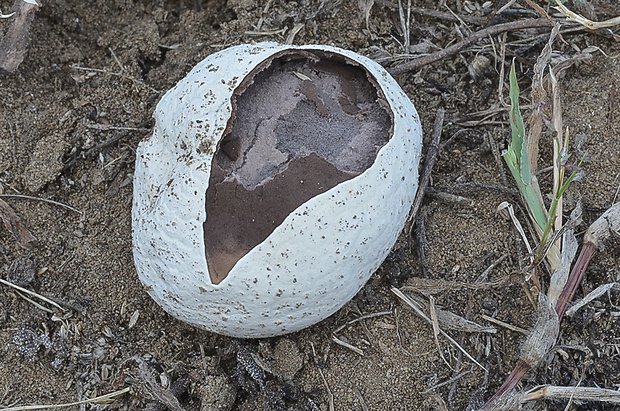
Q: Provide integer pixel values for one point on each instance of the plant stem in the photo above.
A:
(511, 381)
(575, 277)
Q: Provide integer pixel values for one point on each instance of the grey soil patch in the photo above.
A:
(52, 113)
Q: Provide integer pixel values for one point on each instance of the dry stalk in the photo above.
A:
(573, 393)
(330, 395)
(429, 163)
(347, 345)
(419, 62)
(32, 293)
(418, 311)
(592, 25)
(102, 399)
(44, 200)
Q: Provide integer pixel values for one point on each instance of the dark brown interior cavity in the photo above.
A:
(302, 123)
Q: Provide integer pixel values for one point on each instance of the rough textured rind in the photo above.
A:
(313, 263)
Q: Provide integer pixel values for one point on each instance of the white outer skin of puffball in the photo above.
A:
(310, 265)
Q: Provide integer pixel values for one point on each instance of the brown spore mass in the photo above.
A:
(302, 123)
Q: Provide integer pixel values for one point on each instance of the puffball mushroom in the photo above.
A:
(276, 181)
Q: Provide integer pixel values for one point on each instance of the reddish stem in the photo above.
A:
(574, 279)
(511, 381)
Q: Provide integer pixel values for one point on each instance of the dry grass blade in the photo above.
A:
(347, 345)
(363, 317)
(539, 98)
(593, 25)
(13, 224)
(428, 286)
(605, 228)
(508, 210)
(573, 393)
(449, 381)
(559, 148)
(330, 395)
(121, 75)
(23, 290)
(449, 198)
(436, 329)
(418, 311)
(560, 276)
(569, 251)
(504, 324)
(102, 399)
(456, 322)
(592, 295)
(36, 304)
(539, 9)
(44, 200)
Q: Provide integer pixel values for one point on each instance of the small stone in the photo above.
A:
(489, 304)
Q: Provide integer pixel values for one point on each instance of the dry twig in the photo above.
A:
(418, 311)
(102, 399)
(330, 395)
(347, 345)
(592, 25)
(39, 296)
(44, 200)
(474, 38)
(437, 15)
(429, 163)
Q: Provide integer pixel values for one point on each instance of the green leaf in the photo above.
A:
(517, 159)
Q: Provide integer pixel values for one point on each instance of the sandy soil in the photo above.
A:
(71, 117)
